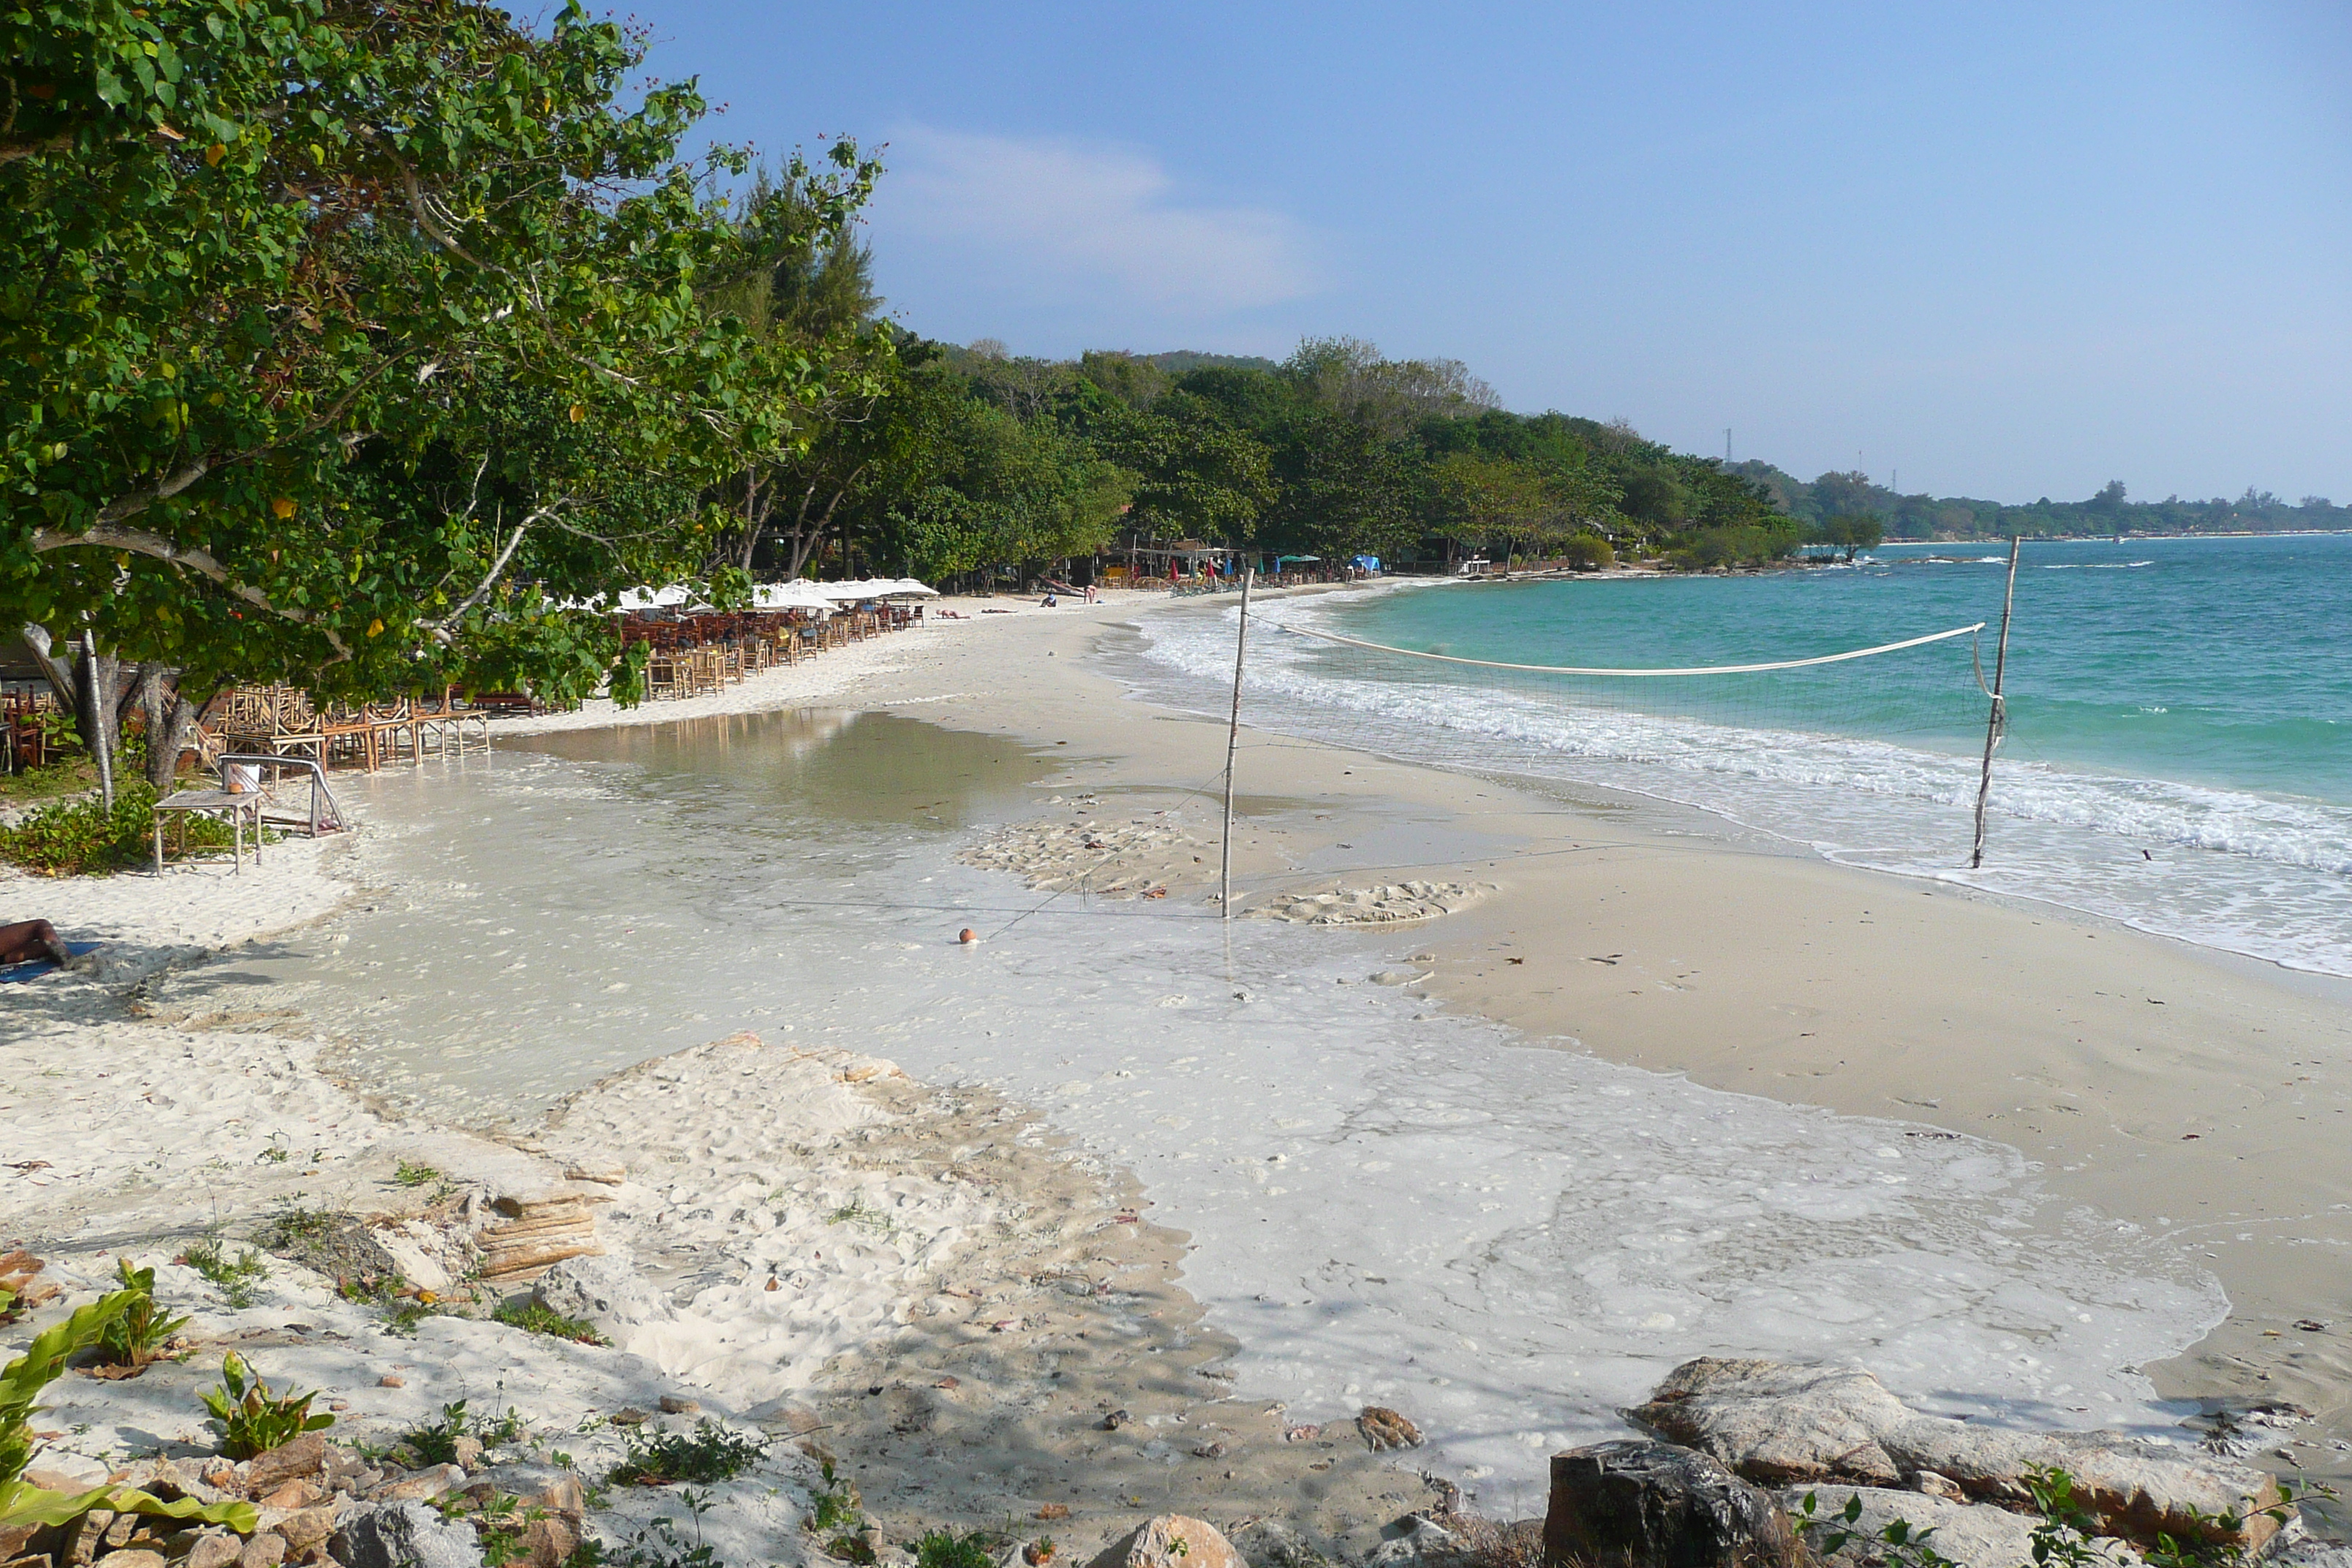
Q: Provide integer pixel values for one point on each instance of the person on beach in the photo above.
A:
(27, 941)
(1047, 603)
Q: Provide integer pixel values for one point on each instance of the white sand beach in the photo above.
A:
(1575, 1093)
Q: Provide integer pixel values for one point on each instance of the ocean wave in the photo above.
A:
(2264, 875)
(2089, 565)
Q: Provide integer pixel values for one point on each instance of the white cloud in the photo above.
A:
(1060, 212)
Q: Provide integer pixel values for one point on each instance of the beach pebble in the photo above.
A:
(1384, 1428)
(1170, 1540)
(266, 1549)
(311, 1527)
(212, 1548)
(291, 1495)
(305, 1457)
(418, 1487)
(391, 1380)
(677, 1404)
(408, 1535)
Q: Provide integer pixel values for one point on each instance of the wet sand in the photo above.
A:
(2202, 1097)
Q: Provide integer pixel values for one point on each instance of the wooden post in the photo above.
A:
(1232, 740)
(1996, 719)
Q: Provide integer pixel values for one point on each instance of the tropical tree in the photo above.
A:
(344, 340)
(1480, 501)
(1853, 533)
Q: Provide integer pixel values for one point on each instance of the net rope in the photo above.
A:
(1800, 744)
(1969, 630)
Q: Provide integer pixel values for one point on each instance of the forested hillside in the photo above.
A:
(2109, 512)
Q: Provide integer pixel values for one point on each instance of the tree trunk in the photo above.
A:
(172, 715)
(61, 675)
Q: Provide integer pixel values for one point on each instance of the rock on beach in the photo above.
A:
(1662, 1507)
(1170, 1540)
(1783, 1425)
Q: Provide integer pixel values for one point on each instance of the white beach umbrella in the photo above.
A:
(669, 599)
(797, 595)
(908, 588)
(847, 592)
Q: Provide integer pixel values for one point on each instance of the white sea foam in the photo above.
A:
(1507, 1239)
(2249, 873)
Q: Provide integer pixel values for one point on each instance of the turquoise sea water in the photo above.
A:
(2210, 661)
(2178, 756)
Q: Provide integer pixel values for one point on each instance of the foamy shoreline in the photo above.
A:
(237, 1092)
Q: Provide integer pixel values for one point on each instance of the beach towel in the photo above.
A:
(34, 968)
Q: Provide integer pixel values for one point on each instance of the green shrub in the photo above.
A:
(234, 1277)
(437, 1444)
(253, 1419)
(81, 837)
(537, 1317)
(1587, 551)
(946, 1549)
(133, 1339)
(710, 1453)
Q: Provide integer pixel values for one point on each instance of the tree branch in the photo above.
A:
(440, 628)
(141, 541)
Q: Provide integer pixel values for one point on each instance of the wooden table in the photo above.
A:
(240, 807)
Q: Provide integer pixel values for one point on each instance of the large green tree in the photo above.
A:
(342, 340)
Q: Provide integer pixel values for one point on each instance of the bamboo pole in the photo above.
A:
(1996, 719)
(1232, 741)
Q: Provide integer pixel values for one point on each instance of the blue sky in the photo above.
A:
(2001, 251)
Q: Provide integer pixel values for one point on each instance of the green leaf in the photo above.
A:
(21, 1503)
(43, 1360)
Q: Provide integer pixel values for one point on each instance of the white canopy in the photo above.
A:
(796, 594)
(878, 588)
(670, 598)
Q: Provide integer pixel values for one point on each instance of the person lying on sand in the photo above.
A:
(27, 941)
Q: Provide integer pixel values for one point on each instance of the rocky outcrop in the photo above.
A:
(1652, 1505)
(533, 1234)
(1782, 1424)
